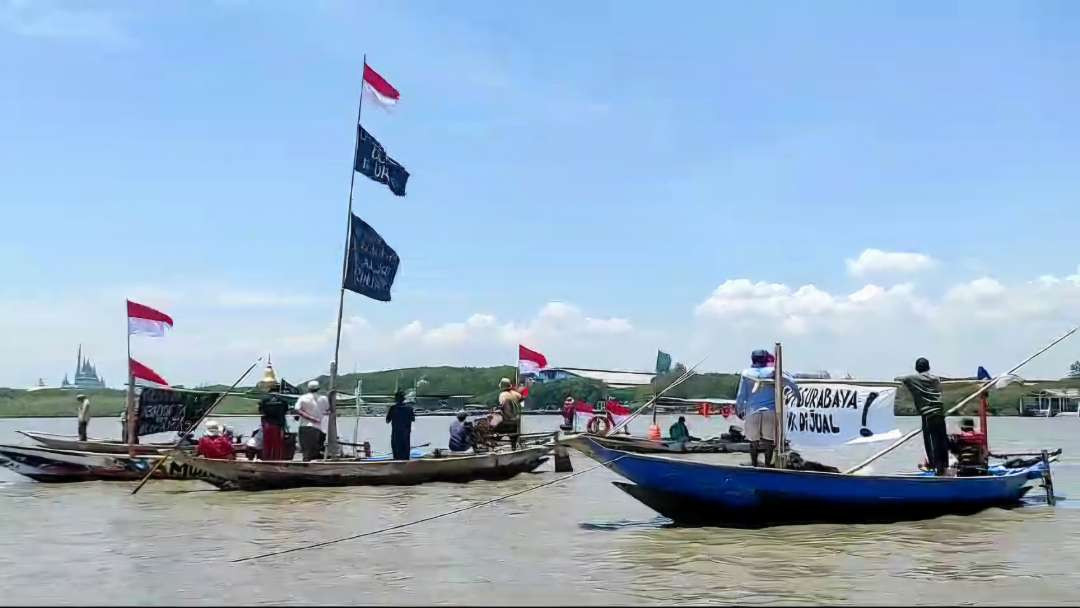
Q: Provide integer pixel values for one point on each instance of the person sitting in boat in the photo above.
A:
(970, 448)
(400, 417)
(214, 444)
(84, 415)
(510, 412)
(273, 408)
(756, 404)
(680, 432)
(734, 434)
(461, 434)
(253, 447)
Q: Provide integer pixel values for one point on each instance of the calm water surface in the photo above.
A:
(578, 542)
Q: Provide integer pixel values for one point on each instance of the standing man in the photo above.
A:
(925, 389)
(510, 408)
(312, 408)
(756, 403)
(400, 417)
(273, 409)
(84, 415)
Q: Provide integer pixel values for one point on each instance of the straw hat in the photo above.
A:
(504, 383)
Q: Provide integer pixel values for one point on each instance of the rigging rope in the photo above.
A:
(426, 519)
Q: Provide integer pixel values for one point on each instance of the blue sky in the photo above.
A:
(622, 160)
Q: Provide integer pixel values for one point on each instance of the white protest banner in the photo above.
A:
(835, 414)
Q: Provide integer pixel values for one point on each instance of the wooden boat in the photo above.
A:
(99, 446)
(696, 493)
(280, 474)
(56, 466)
(104, 446)
(641, 445)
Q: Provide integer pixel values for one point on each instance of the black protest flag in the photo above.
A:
(372, 161)
(162, 410)
(372, 264)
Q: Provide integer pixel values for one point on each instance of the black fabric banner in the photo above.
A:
(372, 264)
(372, 161)
(288, 389)
(163, 410)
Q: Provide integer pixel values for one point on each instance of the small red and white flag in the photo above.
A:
(583, 413)
(530, 361)
(379, 90)
(146, 321)
(617, 412)
(147, 375)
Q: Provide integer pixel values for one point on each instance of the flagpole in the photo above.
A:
(129, 406)
(332, 447)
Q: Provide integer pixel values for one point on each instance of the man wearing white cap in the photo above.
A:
(312, 408)
(214, 444)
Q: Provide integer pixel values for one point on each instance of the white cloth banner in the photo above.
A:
(835, 414)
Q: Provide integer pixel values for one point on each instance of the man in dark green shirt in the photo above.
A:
(680, 432)
(925, 389)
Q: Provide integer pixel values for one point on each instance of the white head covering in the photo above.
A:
(213, 428)
(313, 385)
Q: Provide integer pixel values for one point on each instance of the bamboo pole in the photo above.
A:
(332, 448)
(176, 446)
(982, 389)
(778, 395)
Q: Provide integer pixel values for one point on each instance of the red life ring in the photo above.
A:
(595, 423)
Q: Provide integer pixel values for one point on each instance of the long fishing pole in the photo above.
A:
(686, 376)
(176, 446)
(962, 403)
(426, 519)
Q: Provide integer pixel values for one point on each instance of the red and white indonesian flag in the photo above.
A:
(146, 321)
(379, 90)
(530, 361)
(618, 412)
(583, 413)
(146, 375)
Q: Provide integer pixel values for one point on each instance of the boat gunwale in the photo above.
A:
(774, 471)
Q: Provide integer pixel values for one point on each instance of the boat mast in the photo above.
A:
(129, 401)
(332, 448)
(778, 382)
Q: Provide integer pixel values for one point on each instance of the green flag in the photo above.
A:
(663, 362)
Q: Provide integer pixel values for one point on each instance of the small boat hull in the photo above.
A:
(696, 493)
(64, 466)
(99, 446)
(276, 475)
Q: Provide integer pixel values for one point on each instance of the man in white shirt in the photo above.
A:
(312, 408)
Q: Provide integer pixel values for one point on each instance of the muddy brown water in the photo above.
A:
(578, 542)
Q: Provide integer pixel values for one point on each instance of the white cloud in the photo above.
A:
(878, 331)
(876, 261)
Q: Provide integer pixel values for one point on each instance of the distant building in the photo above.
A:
(1050, 402)
(86, 375)
(612, 378)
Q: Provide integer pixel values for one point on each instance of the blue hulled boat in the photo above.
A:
(696, 493)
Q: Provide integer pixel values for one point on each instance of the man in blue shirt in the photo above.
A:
(756, 404)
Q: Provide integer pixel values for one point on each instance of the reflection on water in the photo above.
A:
(581, 542)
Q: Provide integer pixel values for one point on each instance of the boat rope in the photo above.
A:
(426, 519)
